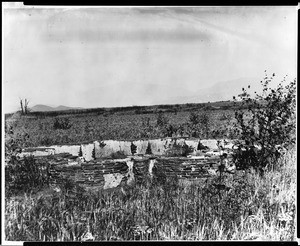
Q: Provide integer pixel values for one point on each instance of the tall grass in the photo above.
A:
(251, 208)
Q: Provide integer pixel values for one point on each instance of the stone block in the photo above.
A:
(193, 144)
(112, 180)
(87, 151)
(125, 147)
(141, 146)
(212, 144)
(160, 146)
(43, 151)
(104, 149)
(71, 149)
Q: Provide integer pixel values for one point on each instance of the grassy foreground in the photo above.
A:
(249, 208)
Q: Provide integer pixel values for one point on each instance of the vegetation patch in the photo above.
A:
(163, 209)
(256, 203)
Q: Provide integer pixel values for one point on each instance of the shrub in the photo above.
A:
(133, 148)
(62, 124)
(169, 130)
(270, 123)
(25, 175)
(180, 150)
(148, 150)
(194, 118)
(161, 120)
(146, 128)
(46, 141)
(118, 155)
(199, 124)
(80, 154)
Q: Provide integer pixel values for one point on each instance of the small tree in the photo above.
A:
(199, 124)
(267, 122)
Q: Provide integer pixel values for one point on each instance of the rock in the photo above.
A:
(193, 144)
(87, 151)
(112, 180)
(151, 165)
(106, 148)
(159, 146)
(71, 149)
(130, 175)
(42, 151)
(212, 144)
(141, 147)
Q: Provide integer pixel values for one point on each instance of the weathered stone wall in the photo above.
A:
(104, 149)
(91, 165)
(105, 174)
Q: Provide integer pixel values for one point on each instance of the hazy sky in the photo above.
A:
(57, 56)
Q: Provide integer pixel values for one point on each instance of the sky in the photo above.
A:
(101, 57)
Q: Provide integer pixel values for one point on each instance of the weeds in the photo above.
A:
(25, 175)
(199, 124)
(253, 208)
(271, 123)
(244, 206)
(90, 128)
(63, 124)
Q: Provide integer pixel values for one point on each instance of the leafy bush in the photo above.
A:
(165, 127)
(199, 124)
(267, 122)
(146, 128)
(62, 123)
(194, 118)
(46, 141)
(25, 175)
(161, 120)
(169, 130)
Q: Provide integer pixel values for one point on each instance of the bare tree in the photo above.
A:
(24, 106)
(26, 109)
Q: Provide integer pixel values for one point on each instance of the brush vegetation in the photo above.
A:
(240, 207)
(256, 203)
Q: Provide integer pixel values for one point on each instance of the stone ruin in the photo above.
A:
(92, 166)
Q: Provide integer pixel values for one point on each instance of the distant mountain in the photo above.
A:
(134, 94)
(225, 90)
(117, 95)
(45, 108)
(220, 91)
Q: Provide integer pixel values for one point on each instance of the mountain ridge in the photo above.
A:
(157, 94)
(46, 108)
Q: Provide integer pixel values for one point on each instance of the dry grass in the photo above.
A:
(254, 208)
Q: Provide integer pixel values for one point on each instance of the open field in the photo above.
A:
(254, 202)
(35, 130)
